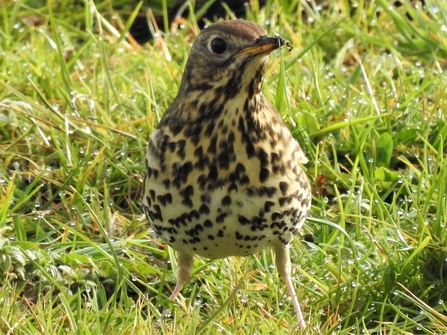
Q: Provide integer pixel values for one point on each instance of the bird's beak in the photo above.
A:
(263, 45)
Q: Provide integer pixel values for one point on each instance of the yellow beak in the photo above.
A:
(263, 45)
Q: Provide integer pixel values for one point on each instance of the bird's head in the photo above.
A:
(229, 57)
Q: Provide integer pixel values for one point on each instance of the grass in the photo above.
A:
(364, 91)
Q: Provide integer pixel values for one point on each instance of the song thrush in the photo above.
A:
(223, 175)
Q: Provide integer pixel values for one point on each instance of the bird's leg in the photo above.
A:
(184, 271)
(285, 269)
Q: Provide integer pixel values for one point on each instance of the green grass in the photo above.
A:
(364, 91)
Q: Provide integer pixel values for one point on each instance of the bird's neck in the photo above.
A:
(210, 100)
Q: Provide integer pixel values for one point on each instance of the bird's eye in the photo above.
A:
(218, 46)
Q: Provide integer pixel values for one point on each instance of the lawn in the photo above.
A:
(364, 91)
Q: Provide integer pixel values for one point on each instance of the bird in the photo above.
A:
(224, 175)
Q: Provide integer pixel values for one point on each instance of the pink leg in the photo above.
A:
(285, 269)
(184, 271)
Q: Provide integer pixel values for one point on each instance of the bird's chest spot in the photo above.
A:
(230, 193)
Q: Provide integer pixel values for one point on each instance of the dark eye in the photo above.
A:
(218, 46)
